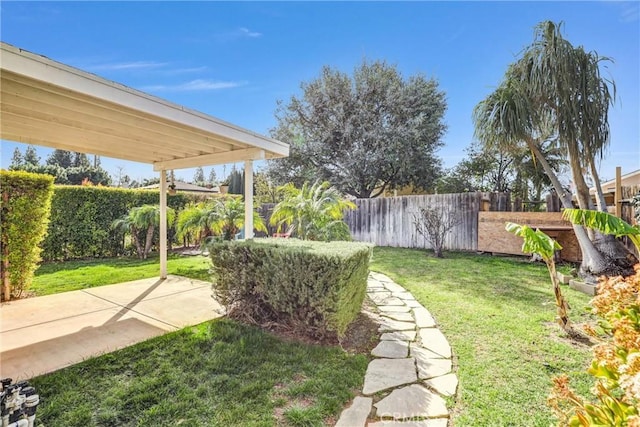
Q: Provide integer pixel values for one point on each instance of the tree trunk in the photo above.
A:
(594, 263)
(600, 202)
(561, 303)
(582, 190)
(136, 241)
(148, 240)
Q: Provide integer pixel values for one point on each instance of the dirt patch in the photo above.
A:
(576, 337)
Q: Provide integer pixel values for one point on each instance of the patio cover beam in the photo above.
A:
(48, 103)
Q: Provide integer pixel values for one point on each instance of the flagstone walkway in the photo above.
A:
(404, 385)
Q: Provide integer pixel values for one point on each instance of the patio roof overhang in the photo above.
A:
(44, 102)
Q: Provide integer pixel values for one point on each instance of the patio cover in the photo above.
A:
(44, 102)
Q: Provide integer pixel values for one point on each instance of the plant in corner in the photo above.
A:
(616, 361)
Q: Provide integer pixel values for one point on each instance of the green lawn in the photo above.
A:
(219, 373)
(498, 315)
(53, 278)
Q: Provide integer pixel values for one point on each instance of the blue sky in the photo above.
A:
(236, 60)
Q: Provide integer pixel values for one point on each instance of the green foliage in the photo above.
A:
(534, 241)
(216, 374)
(314, 212)
(81, 218)
(141, 223)
(25, 207)
(365, 132)
(236, 182)
(537, 242)
(223, 217)
(616, 362)
(605, 223)
(317, 288)
(66, 167)
(198, 177)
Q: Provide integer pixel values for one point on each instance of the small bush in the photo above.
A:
(25, 205)
(315, 287)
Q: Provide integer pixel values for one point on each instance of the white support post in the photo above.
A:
(248, 199)
(163, 224)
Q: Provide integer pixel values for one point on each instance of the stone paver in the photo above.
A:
(436, 422)
(379, 297)
(387, 325)
(413, 401)
(403, 317)
(394, 308)
(413, 303)
(356, 414)
(387, 373)
(399, 336)
(391, 349)
(423, 318)
(446, 385)
(413, 369)
(432, 339)
(406, 296)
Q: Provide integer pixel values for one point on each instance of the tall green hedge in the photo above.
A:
(315, 287)
(24, 215)
(81, 218)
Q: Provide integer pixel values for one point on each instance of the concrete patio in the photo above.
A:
(44, 334)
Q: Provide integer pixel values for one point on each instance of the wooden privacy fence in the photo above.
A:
(389, 221)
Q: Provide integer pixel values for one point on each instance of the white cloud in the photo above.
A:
(194, 85)
(185, 70)
(247, 33)
(630, 12)
(134, 65)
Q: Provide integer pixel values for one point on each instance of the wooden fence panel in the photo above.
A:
(390, 221)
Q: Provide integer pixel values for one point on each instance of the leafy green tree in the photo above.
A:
(313, 212)
(236, 181)
(265, 190)
(61, 158)
(198, 177)
(229, 218)
(365, 133)
(31, 156)
(80, 160)
(222, 217)
(195, 221)
(140, 223)
(213, 178)
(16, 160)
(537, 242)
(544, 97)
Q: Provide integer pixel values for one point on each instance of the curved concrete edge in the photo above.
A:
(412, 369)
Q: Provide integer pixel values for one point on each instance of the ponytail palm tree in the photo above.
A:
(314, 212)
(555, 92)
(142, 219)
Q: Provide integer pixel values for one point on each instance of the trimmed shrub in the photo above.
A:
(81, 218)
(315, 287)
(25, 206)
